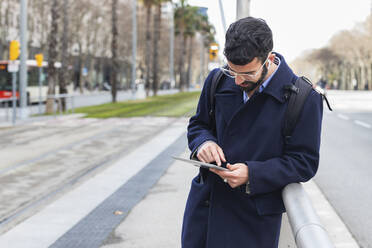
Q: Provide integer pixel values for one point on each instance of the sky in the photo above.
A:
(297, 25)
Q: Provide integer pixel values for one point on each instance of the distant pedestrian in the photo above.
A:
(243, 207)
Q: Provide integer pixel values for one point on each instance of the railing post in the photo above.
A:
(72, 104)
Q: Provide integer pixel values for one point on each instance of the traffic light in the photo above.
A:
(39, 59)
(14, 50)
(213, 51)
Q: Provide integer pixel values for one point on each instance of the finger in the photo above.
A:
(224, 174)
(210, 158)
(222, 155)
(204, 156)
(232, 166)
(210, 154)
(201, 157)
(216, 157)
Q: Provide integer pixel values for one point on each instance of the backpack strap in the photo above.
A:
(215, 81)
(297, 95)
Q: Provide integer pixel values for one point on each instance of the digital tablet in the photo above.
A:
(200, 164)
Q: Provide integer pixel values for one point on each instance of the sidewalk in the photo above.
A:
(157, 220)
(138, 202)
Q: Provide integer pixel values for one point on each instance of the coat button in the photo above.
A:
(206, 203)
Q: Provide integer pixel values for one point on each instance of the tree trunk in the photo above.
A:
(63, 71)
(52, 56)
(181, 64)
(189, 64)
(148, 52)
(80, 65)
(155, 66)
(114, 49)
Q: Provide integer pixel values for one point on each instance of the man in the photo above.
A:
(243, 207)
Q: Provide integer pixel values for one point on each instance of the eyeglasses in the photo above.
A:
(245, 75)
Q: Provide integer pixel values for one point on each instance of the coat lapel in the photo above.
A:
(229, 98)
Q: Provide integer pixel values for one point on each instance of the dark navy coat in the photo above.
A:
(217, 216)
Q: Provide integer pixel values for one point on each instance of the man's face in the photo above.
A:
(251, 75)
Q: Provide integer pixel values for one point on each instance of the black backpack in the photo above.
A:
(296, 94)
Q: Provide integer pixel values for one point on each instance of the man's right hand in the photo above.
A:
(210, 152)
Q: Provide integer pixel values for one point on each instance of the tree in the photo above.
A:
(180, 26)
(346, 61)
(114, 45)
(62, 73)
(52, 56)
(196, 22)
(157, 34)
(189, 21)
(148, 5)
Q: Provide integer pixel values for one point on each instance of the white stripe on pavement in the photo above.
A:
(344, 117)
(363, 124)
(45, 227)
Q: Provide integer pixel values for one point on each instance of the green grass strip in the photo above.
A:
(175, 105)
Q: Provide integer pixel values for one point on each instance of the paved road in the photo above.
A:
(346, 158)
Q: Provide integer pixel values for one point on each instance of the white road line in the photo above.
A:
(363, 124)
(344, 117)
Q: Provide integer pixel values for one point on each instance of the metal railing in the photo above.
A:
(6, 105)
(307, 230)
(58, 99)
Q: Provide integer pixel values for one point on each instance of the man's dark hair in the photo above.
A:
(247, 39)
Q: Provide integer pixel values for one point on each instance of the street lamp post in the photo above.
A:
(222, 16)
(23, 67)
(242, 8)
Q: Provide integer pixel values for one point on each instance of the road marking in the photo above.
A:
(344, 117)
(363, 124)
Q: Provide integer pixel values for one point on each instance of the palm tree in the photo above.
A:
(156, 38)
(180, 26)
(52, 56)
(193, 25)
(188, 22)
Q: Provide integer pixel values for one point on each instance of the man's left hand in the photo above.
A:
(238, 174)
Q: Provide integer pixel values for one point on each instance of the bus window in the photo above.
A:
(5, 78)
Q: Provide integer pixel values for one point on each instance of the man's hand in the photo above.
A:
(238, 174)
(210, 152)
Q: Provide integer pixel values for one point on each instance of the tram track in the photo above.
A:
(51, 152)
(13, 216)
(46, 135)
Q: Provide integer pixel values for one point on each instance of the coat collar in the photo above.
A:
(283, 76)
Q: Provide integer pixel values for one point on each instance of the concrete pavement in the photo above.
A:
(157, 220)
(112, 209)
